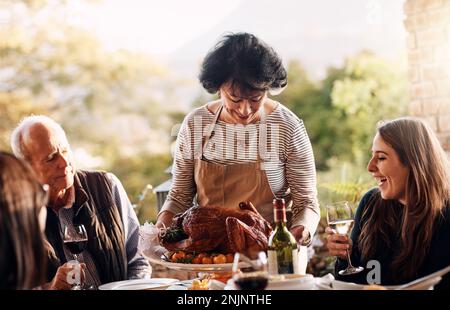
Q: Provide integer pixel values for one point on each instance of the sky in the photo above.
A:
(149, 26)
(319, 33)
(179, 33)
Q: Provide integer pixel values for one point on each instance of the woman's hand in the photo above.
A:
(61, 279)
(301, 234)
(164, 219)
(338, 244)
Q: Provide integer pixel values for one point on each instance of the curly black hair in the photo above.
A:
(244, 60)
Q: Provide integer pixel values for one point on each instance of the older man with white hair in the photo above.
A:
(93, 198)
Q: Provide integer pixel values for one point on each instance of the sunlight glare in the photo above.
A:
(155, 27)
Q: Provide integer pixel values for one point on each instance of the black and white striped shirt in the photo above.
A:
(289, 166)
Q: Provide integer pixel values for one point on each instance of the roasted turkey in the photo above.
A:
(202, 229)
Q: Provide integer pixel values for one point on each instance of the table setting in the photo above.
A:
(231, 275)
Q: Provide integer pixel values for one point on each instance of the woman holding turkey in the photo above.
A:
(244, 146)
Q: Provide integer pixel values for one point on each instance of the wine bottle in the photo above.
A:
(283, 250)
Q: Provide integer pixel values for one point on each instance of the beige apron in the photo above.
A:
(228, 185)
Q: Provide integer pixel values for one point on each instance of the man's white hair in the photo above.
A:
(24, 125)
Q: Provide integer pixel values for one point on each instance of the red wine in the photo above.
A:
(251, 283)
(76, 246)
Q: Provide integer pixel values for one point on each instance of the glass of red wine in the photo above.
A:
(250, 271)
(75, 239)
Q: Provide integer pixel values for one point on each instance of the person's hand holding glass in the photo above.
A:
(340, 218)
(250, 272)
(75, 239)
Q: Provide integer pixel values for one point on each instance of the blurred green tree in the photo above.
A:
(372, 89)
(116, 107)
(312, 102)
(145, 169)
(341, 112)
(13, 108)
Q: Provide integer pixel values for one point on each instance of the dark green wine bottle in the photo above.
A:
(283, 250)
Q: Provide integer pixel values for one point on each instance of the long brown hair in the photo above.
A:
(23, 249)
(427, 194)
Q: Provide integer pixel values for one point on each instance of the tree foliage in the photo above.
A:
(311, 101)
(145, 169)
(117, 107)
(340, 112)
(371, 90)
(120, 106)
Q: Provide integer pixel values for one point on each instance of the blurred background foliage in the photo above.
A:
(119, 108)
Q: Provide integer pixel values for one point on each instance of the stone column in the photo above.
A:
(428, 25)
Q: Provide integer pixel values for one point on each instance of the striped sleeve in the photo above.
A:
(138, 266)
(301, 178)
(183, 190)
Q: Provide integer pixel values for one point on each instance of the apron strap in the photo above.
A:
(210, 129)
(262, 145)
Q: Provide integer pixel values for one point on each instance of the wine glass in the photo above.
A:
(340, 218)
(75, 239)
(250, 272)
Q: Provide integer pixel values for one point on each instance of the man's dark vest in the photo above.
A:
(94, 207)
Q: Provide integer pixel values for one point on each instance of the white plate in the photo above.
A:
(342, 285)
(424, 285)
(139, 284)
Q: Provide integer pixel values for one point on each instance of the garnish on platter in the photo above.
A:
(197, 258)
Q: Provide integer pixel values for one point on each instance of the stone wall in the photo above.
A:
(428, 25)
